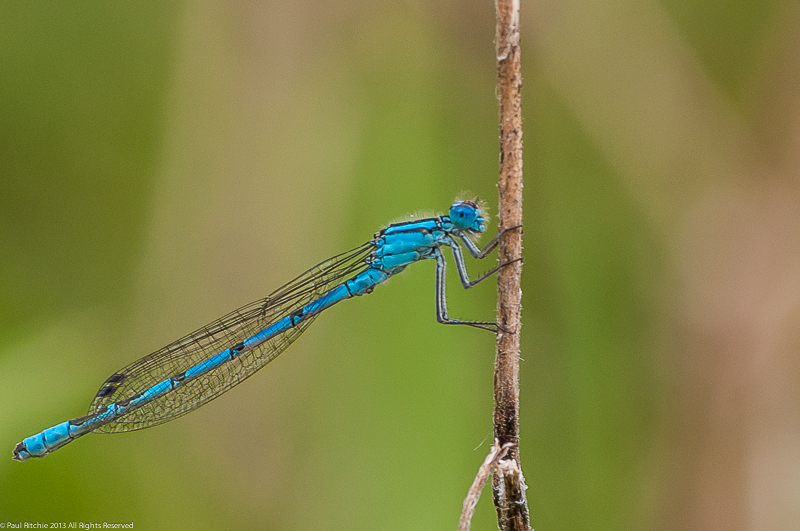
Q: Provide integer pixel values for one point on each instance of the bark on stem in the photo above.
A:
(508, 484)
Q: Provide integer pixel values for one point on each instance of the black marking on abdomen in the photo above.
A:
(80, 420)
(124, 403)
(297, 317)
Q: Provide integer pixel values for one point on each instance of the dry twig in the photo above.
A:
(474, 494)
(508, 484)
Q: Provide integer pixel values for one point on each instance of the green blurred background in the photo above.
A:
(163, 163)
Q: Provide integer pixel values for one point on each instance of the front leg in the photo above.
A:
(461, 266)
(481, 253)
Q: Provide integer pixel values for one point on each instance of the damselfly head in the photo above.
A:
(466, 215)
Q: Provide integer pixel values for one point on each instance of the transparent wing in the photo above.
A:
(202, 344)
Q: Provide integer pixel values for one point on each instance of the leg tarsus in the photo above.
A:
(492, 271)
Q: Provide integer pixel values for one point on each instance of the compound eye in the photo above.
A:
(463, 215)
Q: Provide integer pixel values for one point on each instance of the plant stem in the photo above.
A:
(508, 484)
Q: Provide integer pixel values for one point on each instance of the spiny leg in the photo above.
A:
(481, 253)
(461, 266)
(441, 299)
